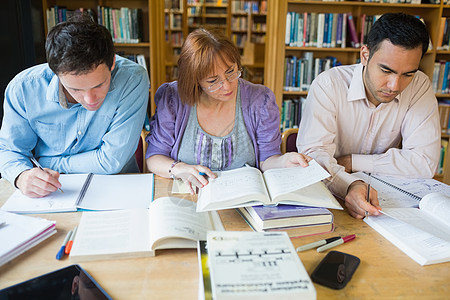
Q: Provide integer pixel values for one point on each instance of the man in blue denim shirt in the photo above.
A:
(81, 112)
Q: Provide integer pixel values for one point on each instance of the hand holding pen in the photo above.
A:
(35, 161)
(357, 202)
(38, 182)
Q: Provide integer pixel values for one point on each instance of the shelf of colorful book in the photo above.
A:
(364, 4)
(131, 40)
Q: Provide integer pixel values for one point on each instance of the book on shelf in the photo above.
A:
(20, 233)
(88, 192)
(124, 24)
(415, 216)
(168, 223)
(354, 41)
(248, 186)
(421, 233)
(252, 265)
(302, 220)
(291, 112)
(57, 14)
(441, 164)
(299, 72)
(444, 113)
(311, 29)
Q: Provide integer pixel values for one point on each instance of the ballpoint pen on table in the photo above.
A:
(317, 244)
(35, 161)
(70, 242)
(61, 251)
(340, 241)
(368, 194)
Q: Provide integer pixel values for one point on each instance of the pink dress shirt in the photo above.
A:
(398, 138)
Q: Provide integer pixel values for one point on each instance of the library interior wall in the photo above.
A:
(21, 39)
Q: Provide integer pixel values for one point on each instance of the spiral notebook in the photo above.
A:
(397, 192)
(88, 192)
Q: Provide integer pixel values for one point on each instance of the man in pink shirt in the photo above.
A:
(379, 116)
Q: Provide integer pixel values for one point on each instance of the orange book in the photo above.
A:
(441, 33)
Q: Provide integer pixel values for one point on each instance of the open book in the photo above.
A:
(248, 186)
(88, 192)
(169, 223)
(403, 192)
(253, 265)
(419, 223)
(20, 233)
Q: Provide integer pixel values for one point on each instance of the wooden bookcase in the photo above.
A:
(153, 33)
(183, 16)
(276, 50)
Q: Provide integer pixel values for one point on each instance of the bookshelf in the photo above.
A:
(151, 29)
(277, 50)
(243, 21)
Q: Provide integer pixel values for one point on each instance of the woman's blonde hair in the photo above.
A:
(198, 59)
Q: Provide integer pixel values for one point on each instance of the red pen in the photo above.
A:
(70, 242)
(340, 241)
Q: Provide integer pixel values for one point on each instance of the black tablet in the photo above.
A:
(71, 282)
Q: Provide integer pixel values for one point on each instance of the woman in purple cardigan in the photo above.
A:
(213, 120)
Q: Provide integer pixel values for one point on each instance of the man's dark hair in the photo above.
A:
(401, 30)
(78, 46)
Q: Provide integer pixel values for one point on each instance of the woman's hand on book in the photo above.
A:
(356, 200)
(194, 176)
(287, 160)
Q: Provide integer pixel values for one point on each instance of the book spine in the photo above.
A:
(352, 31)
(320, 29)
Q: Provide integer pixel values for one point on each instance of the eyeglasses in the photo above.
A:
(219, 84)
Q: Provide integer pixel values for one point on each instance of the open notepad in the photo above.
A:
(416, 217)
(248, 186)
(169, 223)
(88, 192)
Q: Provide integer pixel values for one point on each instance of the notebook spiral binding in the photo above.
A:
(399, 189)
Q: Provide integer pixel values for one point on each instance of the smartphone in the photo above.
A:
(71, 282)
(335, 270)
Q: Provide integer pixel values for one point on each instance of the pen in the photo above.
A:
(203, 174)
(34, 160)
(60, 253)
(368, 194)
(70, 242)
(340, 241)
(317, 244)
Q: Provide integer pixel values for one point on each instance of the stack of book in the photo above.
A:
(21, 233)
(296, 220)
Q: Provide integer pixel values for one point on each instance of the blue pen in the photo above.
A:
(202, 173)
(60, 253)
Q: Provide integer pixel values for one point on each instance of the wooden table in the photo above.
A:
(384, 272)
